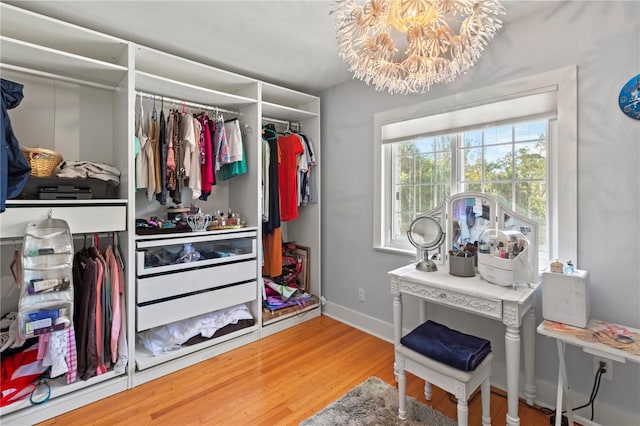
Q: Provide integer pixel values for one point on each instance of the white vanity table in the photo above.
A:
(514, 307)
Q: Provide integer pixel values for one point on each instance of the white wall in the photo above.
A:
(603, 40)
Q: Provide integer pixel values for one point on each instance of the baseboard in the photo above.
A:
(546, 391)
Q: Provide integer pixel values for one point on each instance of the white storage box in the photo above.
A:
(565, 297)
(503, 257)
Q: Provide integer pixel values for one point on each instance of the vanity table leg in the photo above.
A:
(397, 327)
(512, 349)
(528, 342)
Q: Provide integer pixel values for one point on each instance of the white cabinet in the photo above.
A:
(226, 274)
(283, 105)
(189, 275)
(74, 103)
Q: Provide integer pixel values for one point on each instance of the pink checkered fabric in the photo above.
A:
(72, 355)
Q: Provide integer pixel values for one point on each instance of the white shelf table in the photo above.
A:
(592, 341)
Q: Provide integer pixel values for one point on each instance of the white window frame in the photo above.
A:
(562, 152)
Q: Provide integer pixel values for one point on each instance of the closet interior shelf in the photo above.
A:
(187, 103)
(278, 121)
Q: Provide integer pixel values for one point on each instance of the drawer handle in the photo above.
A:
(443, 295)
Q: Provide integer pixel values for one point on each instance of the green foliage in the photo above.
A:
(514, 172)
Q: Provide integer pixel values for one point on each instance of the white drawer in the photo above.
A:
(161, 286)
(168, 255)
(156, 314)
(82, 218)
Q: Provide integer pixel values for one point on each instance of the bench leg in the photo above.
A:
(485, 393)
(427, 390)
(463, 412)
(402, 394)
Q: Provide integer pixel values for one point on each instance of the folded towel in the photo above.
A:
(436, 341)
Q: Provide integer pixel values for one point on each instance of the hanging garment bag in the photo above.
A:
(46, 291)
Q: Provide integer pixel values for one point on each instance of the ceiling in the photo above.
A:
(289, 43)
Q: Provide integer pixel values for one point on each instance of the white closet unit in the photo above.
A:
(176, 292)
(75, 102)
(285, 105)
(84, 90)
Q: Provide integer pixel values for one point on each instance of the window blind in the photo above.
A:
(534, 105)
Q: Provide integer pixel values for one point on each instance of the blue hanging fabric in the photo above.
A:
(14, 169)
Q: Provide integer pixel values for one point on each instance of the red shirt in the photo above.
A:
(290, 148)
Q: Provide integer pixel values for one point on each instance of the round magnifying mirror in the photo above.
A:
(425, 233)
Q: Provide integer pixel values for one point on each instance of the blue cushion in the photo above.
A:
(436, 341)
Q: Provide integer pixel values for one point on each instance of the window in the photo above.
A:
(508, 140)
(508, 161)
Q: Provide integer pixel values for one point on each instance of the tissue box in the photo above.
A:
(565, 297)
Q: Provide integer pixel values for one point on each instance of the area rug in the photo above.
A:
(375, 402)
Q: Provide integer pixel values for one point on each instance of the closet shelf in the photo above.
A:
(109, 216)
(144, 359)
(75, 203)
(155, 84)
(290, 98)
(285, 112)
(27, 55)
(20, 24)
(298, 313)
(166, 65)
(59, 388)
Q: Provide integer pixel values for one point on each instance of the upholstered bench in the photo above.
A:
(454, 380)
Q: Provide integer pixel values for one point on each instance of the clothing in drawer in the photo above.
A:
(169, 285)
(491, 308)
(170, 255)
(171, 310)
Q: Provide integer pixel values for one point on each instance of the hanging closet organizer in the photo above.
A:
(46, 293)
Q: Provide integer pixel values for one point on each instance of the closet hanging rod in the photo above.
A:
(187, 103)
(276, 120)
(57, 77)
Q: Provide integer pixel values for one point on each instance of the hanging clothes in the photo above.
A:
(193, 172)
(171, 138)
(154, 140)
(209, 155)
(145, 163)
(116, 292)
(271, 137)
(312, 179)
(161, 194)
(307, 178)
(14, 169)
(85, 277)
(220, 144)
(302, 172)
(290, 148)
(271, 231)
(266, 163)
(207, 159)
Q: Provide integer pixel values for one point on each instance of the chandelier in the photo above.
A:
(406, 46)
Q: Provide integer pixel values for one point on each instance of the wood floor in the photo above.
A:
(279, 380)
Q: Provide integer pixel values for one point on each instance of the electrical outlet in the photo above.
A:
(606, 363)
(361, 294)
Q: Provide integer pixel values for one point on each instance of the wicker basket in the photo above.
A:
(42, 161)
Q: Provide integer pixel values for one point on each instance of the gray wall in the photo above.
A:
(603, 40)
